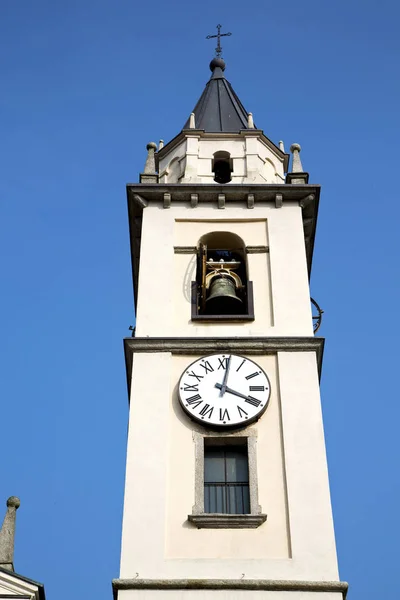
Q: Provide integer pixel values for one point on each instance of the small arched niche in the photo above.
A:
(268, 171)
(174, 170)
(222, 290)
(222, 166)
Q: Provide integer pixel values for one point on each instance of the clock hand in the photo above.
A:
(225, 381)
(231, 391)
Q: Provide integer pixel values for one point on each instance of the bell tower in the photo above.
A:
(227, 491)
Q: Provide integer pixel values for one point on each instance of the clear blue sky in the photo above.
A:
(84, 86)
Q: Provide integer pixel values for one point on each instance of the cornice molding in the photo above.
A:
(231, 584)
(249, 345)
(241, 345)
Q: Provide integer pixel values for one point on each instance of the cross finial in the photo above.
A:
(218, 49)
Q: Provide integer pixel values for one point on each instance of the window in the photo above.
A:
(222, 166)
(226, 480)
(222, 289)
(226, 490)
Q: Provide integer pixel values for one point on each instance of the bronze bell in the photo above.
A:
(223, 299)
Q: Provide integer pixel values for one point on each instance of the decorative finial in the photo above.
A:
(217, 62)
(7, 534)
(218, 49)
(297, 175)
(296, 161)
(192, 122)
(250, 122)
(149, 174)
(14, 502)
(160, 144)
(150, 166)
(281, 146)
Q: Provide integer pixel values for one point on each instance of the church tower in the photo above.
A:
(227, 491)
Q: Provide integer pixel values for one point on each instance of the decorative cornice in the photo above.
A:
(275, 585)
(248, 345)
(234, 192)
(204, 345)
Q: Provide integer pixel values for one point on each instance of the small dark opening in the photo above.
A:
(222, 167)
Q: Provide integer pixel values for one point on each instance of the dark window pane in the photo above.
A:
(215, 498)
(214, 465)
(226, 476)
(236, 467)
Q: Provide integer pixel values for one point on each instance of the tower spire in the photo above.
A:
(219, 109)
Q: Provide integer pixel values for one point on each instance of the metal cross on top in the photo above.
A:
(218, 49)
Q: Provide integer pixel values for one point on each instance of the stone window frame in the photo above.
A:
(203, 520)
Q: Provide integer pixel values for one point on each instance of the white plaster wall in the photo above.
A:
(158, 542)
(178, 152)
(184, 540)
(146, 465)
(281, 291)
(310, 512)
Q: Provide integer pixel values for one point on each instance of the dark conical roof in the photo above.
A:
(219, 109)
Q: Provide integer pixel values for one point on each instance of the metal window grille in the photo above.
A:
(228, 498)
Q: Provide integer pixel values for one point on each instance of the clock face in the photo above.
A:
(224, 390)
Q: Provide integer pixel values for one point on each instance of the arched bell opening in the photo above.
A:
(222, 289)
(222, 167)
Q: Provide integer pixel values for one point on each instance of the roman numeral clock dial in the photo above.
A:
(224, 390)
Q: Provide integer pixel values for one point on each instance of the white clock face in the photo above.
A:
(224, 390)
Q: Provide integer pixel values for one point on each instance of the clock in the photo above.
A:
(224, 390)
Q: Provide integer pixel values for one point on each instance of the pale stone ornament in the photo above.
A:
(224, 391)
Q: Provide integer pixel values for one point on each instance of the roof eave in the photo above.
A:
(40, 595)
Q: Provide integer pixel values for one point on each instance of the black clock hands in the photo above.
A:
(225, 381)
(234, 392)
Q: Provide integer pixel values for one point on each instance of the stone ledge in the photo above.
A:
(231, 584)
(224, 521)
(236, 345)
(246, 345)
